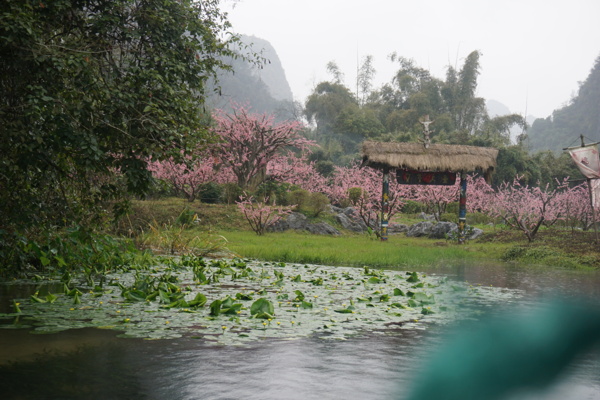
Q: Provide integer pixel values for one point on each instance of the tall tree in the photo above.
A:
(468, 111)
(336, 73)
(91, 90)
(364, 79)
(325, 104)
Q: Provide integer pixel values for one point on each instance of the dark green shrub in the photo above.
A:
(452, 208)
(412, 207)
(160, 188)
(449, 217)
(343, 203)
(231, 192)
(325, 168)
(479, 218)
(354, 195)
(300, 198)
(317, 203)
(210, 193)
(274, 190)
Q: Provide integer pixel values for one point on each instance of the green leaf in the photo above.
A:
(306, 304)
(423, 298)
(164, 297)
(384, 298)
(135, 295)
(374, 280)
(262, 305)
(264, 315)
(215, 308)
(233, 309)
(398, 292)
(199, 301)
(243, 296)
(299, 295)
(50, 298)
(37, 299)
(413, 277)
(228, 302)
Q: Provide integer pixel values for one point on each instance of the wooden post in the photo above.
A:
(385, 205)
(462, 209)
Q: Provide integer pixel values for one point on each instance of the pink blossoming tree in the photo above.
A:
(524, 207)
(297, 170)
(187, 178)
(250, 141)
(368, 203)
(260, 215)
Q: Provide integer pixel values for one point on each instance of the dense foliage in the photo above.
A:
(393, 111)
(92, 89)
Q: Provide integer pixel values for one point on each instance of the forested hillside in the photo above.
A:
(580, 117)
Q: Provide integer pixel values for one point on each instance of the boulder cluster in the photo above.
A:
(349, 219)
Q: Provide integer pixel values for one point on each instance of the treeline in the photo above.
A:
(343, 117)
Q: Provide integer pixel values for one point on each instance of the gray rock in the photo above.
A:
(278, 226)
(299, 222)
(322, 228)
(426, 217)
(420, 229)
(350, 223)
(296, 221)
(475, 234)
(292, 221)
(350, 211)
(397, 228)
(335, 210)
(441, 229)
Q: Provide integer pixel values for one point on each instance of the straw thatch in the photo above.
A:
(437, 157)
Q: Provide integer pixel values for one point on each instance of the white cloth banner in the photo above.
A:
(587, 160)
(595, 185)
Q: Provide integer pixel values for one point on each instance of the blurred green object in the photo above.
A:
(496, 357)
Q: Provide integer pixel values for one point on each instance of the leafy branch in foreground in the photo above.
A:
(108, 86)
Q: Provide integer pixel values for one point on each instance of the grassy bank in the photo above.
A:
(355, 250)
(221, 228)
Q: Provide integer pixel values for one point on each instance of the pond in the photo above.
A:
(378, 364)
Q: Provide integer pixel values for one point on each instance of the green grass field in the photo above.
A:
(355, 250)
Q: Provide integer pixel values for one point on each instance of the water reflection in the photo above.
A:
(89, 363)
(186, 369)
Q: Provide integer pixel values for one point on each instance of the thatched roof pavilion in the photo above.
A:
(436, 157)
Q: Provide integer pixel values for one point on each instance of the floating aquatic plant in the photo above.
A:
(236, 301)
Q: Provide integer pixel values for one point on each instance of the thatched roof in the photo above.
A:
(437, 157)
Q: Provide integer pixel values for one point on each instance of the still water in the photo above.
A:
(94, 364)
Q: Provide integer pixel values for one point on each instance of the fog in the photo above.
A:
(534, 52)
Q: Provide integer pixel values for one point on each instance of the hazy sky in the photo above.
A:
(534, 52)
